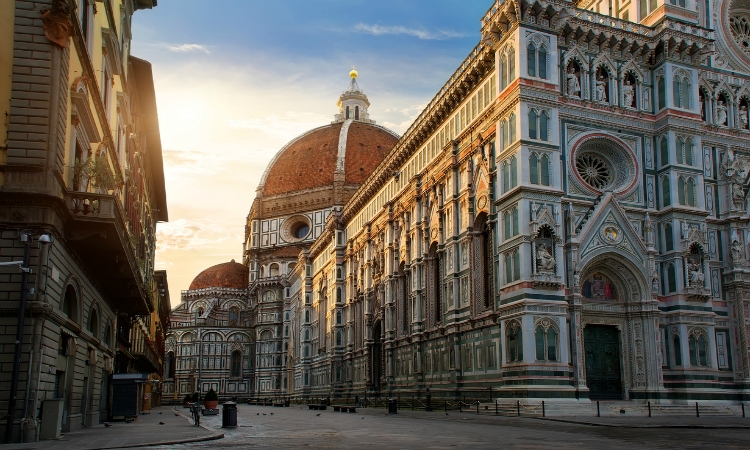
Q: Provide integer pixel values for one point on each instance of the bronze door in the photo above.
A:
(603, 375)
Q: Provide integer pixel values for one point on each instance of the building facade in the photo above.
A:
(567, 219)
(81, 165)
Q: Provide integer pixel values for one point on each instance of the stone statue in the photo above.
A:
(628, 94)
(601, 89)
(574, 86)
(700, 105)
(695, 276)
(544, 260)
(654, 281)
(736, 250)
(733, 169)
(721, 113)
(743, 117)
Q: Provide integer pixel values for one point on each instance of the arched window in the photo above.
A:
(347, 112)
(685, 92)
(544, 170)
(515, 342)
(531, 59)
(671, 280)
(505, 134)
(542, 62)
(93, 325)
(356, 113)
(662, 93)
(511, 65)
(665, 192)
(677, 350)
(551, 344)
(234, 316)
(338, 317)
(236, 364)
(533, 169)
(698, 350)
(338, 337)
(546, 343)
(689, 156)
(108, 335)
(512, 127)
(506, 177)
(664, 145)
(540, 343)
(676, 92)
(515, 221)
(307, 335)
(505, 75)
(681, 190)
(680, 151)
(307, 316)
(668, 238)
(690, 192)
(507, 222)
(532, 124)
(170, 363)
(273, 270)
(513, 172)
(543, 126)
(286, 331)
(70, 304)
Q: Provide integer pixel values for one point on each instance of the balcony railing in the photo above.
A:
(143, 350)
(99, 236)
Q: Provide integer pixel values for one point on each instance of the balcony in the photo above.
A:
(97, 233)
(146, 356)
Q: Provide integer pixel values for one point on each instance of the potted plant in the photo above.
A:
(186, 402)
(211, 400)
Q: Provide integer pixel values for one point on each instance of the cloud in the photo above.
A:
(184, 48)
(421, 33)
(283, 125)
(186, 234)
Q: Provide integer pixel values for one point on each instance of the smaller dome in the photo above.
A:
(231, 275)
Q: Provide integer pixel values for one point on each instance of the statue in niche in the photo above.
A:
(601, 87)
(736, 251)
(544, 259)
(700, 105)
(721, 113)
(695, 275)
(574, 85)
(628, 94)
(743, 117)
(654, 281)
(733, 169)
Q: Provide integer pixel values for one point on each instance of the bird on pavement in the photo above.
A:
(317, 414)
(161, 423)
(271, 413)
(176, 415)
(257, 414)
(160, 412)
(264, 414)
(107, 424)
(363, 417)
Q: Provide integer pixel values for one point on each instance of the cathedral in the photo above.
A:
(567, 219)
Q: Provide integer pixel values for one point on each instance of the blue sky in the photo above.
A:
(236, 80)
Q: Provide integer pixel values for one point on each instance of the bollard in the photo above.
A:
(743, 409)
(477, 406)
(543, 412)
(518, 407)
(598, 412)
(697, 411)
(392, 408)
(446, 406)
(649, 409)
(496, 409)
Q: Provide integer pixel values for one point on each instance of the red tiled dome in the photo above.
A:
(231, 275)
(309, 161)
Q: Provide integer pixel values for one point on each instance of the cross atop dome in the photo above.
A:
(353, 103)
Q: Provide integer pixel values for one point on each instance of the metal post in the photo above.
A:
(496, 408)
(19, 339)
(446, 406)
(697, 411)
(598, 412)
(743, 408)
(477, 406)
(490, 393)
(543, 412)
(649, 409)
(518, 407)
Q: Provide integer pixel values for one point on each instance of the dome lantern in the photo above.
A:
(353, 103)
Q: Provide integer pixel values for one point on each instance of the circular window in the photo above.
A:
(295, 228)
(740, 26)
(594, 170)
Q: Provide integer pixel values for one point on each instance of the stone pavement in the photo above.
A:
(143, 432)
(298, 427)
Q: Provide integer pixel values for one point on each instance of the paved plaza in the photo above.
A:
(298, 427)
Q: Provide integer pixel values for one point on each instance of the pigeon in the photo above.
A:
(160, 412)
(264, 414)
(161, 423)
(363, 417)
(271, 413)
(317, 414)
(446, 414)
(107, 424)
(257, 414)
(177, 415)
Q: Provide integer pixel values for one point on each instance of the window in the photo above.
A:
(512, 127)
(543, 126)
(665, 191)
(668, 238)
(689, 157)
(680, 151)
(505, 134)
(347, 112)
(236, 369)
(686, 194)
(510, 174)
(511, 65)
(681, 91)
(512, 267)
(515, 342)
(531, 60)
(664, 147)
(671, 280)
(662, 93)
(698, 351)
(234, 316)
(677, 350)
(546, 343)
(532, 123)
(510, 220)
(94, 323)
(539, 169)
(542, 62)
(356, 113)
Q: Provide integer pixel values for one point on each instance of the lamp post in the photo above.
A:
(25, 271)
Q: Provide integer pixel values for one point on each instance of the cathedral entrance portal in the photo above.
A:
(603, 374)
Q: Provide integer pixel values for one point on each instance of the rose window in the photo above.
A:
(740, 26)
(594, 170)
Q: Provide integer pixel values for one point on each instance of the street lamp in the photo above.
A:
(26, 238)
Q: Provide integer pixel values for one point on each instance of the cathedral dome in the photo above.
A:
(230, 275)
(346, 150)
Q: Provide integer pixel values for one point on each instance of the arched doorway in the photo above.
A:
(616, 356)
(376, 357)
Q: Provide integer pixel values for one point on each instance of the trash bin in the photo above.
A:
(286, 403)
(392, 408)
(229, 415)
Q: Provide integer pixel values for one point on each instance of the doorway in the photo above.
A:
(603, 374)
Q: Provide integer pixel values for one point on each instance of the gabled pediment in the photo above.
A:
(609, 228)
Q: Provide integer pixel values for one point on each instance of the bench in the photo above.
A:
(317, 407)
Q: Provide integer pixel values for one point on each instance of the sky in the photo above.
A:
(237, 80)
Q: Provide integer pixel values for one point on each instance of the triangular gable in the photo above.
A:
(631, 67)
(609, 227)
